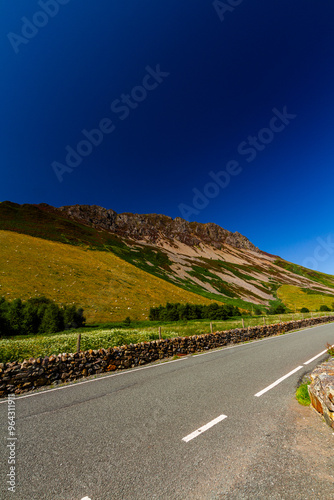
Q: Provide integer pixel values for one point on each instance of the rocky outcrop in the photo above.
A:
(152, 227)
(321, 391)
(91, 215)
(16, 378)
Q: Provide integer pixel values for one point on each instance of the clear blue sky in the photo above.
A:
(225, 76)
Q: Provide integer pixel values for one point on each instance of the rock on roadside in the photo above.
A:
(321, 391)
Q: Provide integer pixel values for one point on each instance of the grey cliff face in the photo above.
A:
(154, 227)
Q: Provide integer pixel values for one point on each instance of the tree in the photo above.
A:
(69, 316)
(37, 301)
(4, 324)
(277, 309)
(185, 313)
(198, 312)
(40, 314)
(15, 317)
(235, 311)
(127, 321)
(324, 308)
(30, 320)
(154, 314)
(171, 312)
(73, 317)
(304, 310)
(37, 315)
(80, 319)
(53, 320)
(213, 311)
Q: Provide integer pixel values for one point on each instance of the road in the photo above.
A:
(201, 427)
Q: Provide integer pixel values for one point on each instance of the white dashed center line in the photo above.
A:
(204, 428)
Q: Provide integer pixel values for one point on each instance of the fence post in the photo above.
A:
(160, 332)
(78, 342)
(264, 320)
(243, 323)
(211, 327)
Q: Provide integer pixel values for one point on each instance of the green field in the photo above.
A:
(20, 348)
(295, 298)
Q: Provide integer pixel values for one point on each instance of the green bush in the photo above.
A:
(181, 312)
(304, 310)
(277, 309)
(324, 308)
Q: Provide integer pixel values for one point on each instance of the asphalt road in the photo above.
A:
(130, 435)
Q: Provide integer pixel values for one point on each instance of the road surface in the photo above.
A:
(218, 425)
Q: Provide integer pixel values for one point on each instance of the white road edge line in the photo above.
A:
(258, 394)
(203, 428)
(315, 357)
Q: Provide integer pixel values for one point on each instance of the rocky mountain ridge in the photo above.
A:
(153, 227)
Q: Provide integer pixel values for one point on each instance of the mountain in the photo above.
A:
(118, 259)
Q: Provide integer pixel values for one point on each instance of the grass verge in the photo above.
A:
(302, 394)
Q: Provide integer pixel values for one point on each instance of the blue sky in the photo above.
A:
(224, 74)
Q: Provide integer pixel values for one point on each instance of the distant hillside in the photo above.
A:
(202, 259)
(107, 287)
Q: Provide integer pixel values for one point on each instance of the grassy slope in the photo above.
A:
(295, 298)
(34, 221)
(318, 277)
(107, 287)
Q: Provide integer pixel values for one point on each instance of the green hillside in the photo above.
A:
(107, 287)
(44, 222)
(296, 298)
(110, 274)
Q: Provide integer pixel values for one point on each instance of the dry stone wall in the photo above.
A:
(16, 378)
(321, 391)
